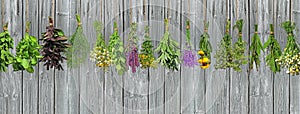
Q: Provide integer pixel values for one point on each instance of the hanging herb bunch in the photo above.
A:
(78, 53)
(100, 54)
(53, 45)
(168, 50)
(117, 51)
(6, 43)
(27, 53)
(146, 57)
(290, 59)
(205, 48)
(189, 57)
(255, 48)
(239, 47)
(224, 56)
(274, 49)
(132, 59)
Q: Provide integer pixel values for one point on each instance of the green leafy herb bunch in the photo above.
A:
(146, 56)
(239, 47)
(255, 48)
(168, 50)
(78, 53)
(54, 44)
(100, 54)
(27, 53)
(117, 51)
(274, 51)
(205, 48)
(6, 43)
(290, 59)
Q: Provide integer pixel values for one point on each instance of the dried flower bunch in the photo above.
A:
(239, 47)
(290, 59)
(205, 48)
(274, 51)
(53, 45)
(100, 54)
(132, 56)
(168, 50)
(6, 43)
(189, 57)
(117, 51)
(255, 48)
(27, 54)
(78, 53)
(146, 57)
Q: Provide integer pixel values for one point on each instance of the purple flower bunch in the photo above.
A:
(133, 59)
(189, 58)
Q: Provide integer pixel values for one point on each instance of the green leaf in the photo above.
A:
(30, 69)
(25, 63)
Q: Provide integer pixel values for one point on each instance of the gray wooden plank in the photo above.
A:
(30, 80)
(135, 84)
(156, 84)
(294, 80)
(239, 80)
(217, 81)
(90, 79)
(46, 77)
(113, 82)
(281, 79)
(261, 79)
(200, 100)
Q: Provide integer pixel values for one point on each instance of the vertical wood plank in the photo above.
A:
(217, 81)
(239, 80)
(46, 77)
(135, 84)
(114, 11)
(281, 79)
(261, 79)
(156, 86)
(30, 81)
(294, 80)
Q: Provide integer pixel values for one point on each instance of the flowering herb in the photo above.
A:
(168, 50)
(53, 45)
(116, 49)
(275, 52)
(224, 56)
(78, 53)
(6, 43)
(239, 47)
(146, 56)
(189, 57)
(27, 54)
(131, 49)
(205, 48)
(100, 54)
(290, 59)
(255, 48)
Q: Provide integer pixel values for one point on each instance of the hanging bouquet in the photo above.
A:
(146, 57)
(205, 48)
(6, 43)
(239, 47)
(116, 49)
(78, 53)
(53, 45)
(290, 58)
(225, 55)
(275, 52)
(27, 53)
(168, 50)
(100, 54)
(255, 48)
(189, 57)
(132, 59)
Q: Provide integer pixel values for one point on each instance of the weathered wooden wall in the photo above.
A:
(88, 90)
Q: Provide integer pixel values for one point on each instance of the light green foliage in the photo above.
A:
(204, 43)
(6, 43)
(255, 48)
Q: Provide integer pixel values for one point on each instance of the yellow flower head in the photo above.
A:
(205, 60)
(201, 53)
(205, 66)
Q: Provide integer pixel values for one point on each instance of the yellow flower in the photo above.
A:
(205, 66)
(205, 60)
(201, 52)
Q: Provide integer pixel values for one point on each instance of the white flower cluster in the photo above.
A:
(291, 62)
(101, 56)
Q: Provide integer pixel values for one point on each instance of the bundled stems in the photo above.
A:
(6, 43)
(255, 48)
(131, 49)
(274, 51)
(239, 47)
(205, 48)
(189, 57)
(146, 57)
